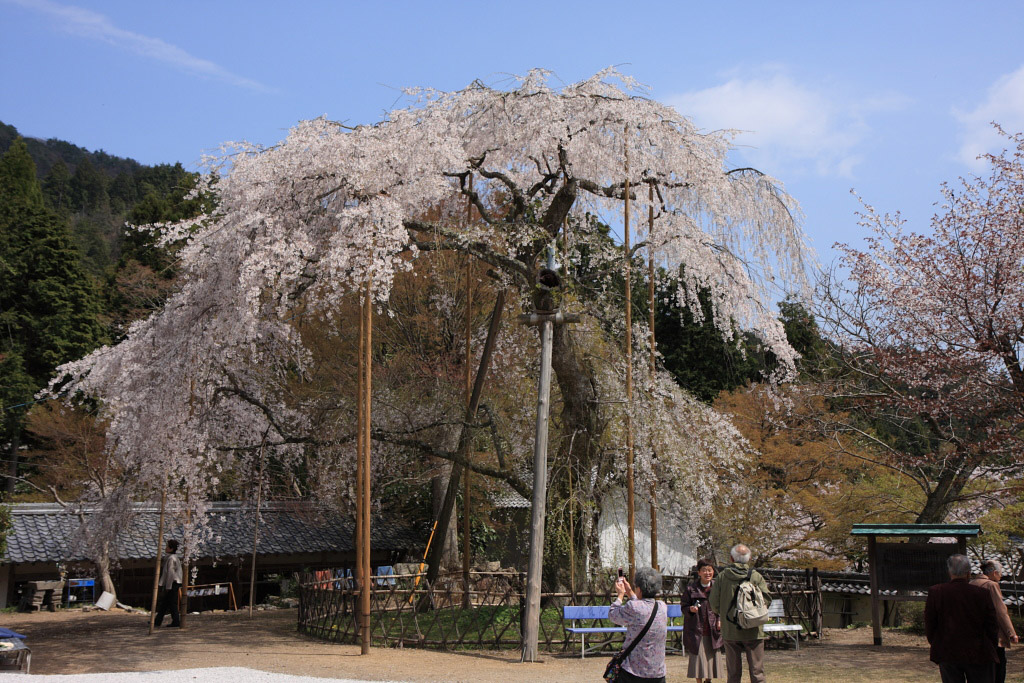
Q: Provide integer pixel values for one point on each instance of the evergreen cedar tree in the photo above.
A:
(49, 307)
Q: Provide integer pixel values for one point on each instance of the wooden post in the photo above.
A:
(360, 416)
(572, 541)
(466, 601)
(186, 563)
(876, 617)
(444, 517)
(256, 528)
(159, 555)
(650, 324)
(364, 457)
(628, 268)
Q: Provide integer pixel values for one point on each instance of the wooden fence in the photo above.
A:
(406, 611)
(800, 592)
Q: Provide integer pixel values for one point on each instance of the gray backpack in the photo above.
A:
(749, 608)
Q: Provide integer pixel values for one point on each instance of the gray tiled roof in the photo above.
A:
(47, 533)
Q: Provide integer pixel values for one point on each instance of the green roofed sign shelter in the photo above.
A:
(906, 569)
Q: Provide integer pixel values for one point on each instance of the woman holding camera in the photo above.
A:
(702, 629)
(646, 660)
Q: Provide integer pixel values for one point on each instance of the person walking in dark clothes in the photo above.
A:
(991, 575)
(960, 623)
(170, 581)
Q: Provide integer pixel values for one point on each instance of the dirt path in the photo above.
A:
(77, 642)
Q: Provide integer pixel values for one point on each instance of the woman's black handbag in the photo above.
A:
(611, 672)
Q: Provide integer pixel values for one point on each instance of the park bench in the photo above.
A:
(598, 614)
(777, 612)
(15, 655)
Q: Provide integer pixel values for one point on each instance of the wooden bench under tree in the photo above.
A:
(777, 612)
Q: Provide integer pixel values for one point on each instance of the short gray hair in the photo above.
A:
(958, 565)
(740, 553)
(648, 580)
(991, 566)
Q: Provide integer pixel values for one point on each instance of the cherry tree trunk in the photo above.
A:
(583, 429)
(450, 542)
(103, 569)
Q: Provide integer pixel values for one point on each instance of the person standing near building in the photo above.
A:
(960, 624)
(170, 581)
(739, 641)
(991, 575)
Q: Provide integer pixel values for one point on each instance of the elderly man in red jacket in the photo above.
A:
(960, 622)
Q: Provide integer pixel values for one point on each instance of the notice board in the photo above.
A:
(913, 566)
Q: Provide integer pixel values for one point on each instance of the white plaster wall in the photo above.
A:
(676, 551)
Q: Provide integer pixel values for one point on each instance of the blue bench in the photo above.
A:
(599, 613)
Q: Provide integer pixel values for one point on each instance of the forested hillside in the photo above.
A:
(72, 275)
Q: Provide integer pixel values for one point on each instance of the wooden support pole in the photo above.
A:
(360, 435)
(572, 540)
(256, 528)
(628, 275)
(445, 515)
(186, 565)
(466, 601)
(876, 617)
(364, 596)
(654, 356)
(159, 556)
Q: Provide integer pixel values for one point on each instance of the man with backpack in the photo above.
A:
(740, 597)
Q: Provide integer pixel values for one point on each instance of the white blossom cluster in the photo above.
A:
(332, 209)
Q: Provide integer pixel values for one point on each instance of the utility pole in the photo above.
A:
(546, 316)
(628, 274)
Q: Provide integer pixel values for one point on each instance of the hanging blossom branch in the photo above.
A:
(306, 222)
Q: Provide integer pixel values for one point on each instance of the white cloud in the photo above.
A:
(1003, 105)
(787, 124)
(92, 25)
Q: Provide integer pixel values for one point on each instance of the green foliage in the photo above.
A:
(5, 526)
(698, 356)
(50, 311)
(912, 617)
(803, 334)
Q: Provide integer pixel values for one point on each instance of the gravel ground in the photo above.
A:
(115, 646)
(218, 675)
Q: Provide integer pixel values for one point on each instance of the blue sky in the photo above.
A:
(888, 98)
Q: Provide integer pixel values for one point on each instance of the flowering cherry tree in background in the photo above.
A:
(932, 332)
(298, 227)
